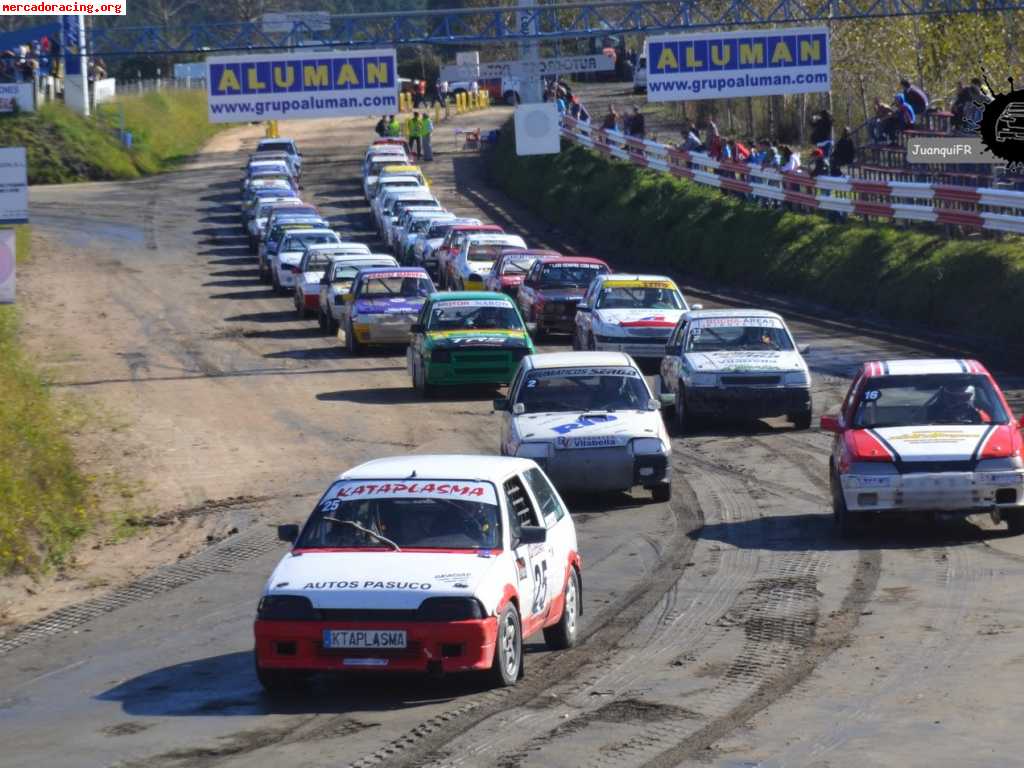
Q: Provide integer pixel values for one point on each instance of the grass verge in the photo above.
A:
(642, 217)
(45, 502)
(167, 127)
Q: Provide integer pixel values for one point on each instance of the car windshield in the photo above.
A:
(450, 514)
(568, 275)
(469, 315)
(349, 269)
(909, 401)
(439, 230)
(317, 262)
(615, 388)
(396, 284)
(301, 241)
(639, 297)
(488, 252)
(517, 265)
(276, 146)
(738, 334)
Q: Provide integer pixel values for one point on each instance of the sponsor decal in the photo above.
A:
(388, 306)
(581, 422)
(324, 585)
(932, 436)
(598, 441)
(452, 578)
(396, 273)
(639, 284)
(651, 321)
(565, 373)
(736, 322)
(470, 490)
(473, 303)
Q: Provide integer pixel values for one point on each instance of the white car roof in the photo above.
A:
(312, 231)
(696, 314)
(496, 238)
(580, 360)
(343, 246)
(633, 276)
(924, 366)
(439, 467)
(404, 176)
(379, 259)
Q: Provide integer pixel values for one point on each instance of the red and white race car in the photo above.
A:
(422, 563)
(510, 269)
(925, 436)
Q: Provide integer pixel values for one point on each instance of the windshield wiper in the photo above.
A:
(367, 531)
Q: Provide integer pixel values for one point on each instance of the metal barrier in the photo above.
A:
(983, 208)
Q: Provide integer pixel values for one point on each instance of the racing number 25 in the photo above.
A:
(540, 586)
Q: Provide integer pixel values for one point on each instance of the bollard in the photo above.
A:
(437, 113)
(485, 99)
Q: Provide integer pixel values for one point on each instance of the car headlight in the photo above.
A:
(534, 450)
(703, 380)
(286, 608)
(647, 446)
(797, 379)
(450, 609)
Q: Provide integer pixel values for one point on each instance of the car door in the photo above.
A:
(585, 313)
(414, 352)
(345, 311)
(527, 291)
(507, 416)
(561, 536)
(671, 363)
(532, 562)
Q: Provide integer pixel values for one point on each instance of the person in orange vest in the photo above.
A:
(421, 92)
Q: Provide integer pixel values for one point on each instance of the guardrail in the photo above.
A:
(983, 208)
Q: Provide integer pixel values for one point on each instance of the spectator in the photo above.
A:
(426, 129)
(770, 157)
(421, 93)
(790, 160)
(980, 89)
(821, 131)
(443, 92)
(819, 165)
(916, 97)
(415, 126)
(844, 153)
(381, 128)
(611, 119)
(880, 122)
(577, 111)
(635, 125)
(738, 151)
(474, 87)
(713, 139)
(394, 129)
(691, 141)
(901, 118)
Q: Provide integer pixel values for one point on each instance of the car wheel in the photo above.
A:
(847, 523)
(661, 494)
(591, 343)
(576, 342)
(539, 332)
(1015, 522)
(801, 419)
(332, 324)
(420, 382)
(263, 272)
(563, 634)
(508, 650)
(279, 683)
(681, 417)
(274, 283)
(351, 342)
(321, 320)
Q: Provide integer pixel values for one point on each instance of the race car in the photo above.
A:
(403, 235)
(398, 207)
(312, 267)
(284, 265)
(269, 245)
(511, 267)
(382, 305)
(466, 338)
(589, 419)
(433, 564)
(925, 436)
(290, 211)
(392, 170)
(338, 278)
(257, 222)
(729, 363)
(388, 194)
(628, 313)
(424, 249)
(475, 259)
(551, 290)
(283, 145)
(452, 244)
(416, 230)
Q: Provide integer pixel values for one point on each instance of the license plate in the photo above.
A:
(364, 638)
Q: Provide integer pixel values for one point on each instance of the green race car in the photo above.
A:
(467, 337)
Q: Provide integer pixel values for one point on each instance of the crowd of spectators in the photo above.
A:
(20, 64)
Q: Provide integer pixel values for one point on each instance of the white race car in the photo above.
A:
(312, 266)
(337, 281)
(734, 363)
(476, 258)
(629, 313)
(284, 265)
(426, 564)
(589, 419)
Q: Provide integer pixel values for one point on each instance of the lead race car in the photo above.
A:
(589, 419)
(925, 436)
(422, 563)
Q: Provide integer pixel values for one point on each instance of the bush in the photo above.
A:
(646, 218)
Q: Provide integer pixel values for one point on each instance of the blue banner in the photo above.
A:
(71, 40)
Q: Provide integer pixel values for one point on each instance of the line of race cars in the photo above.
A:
(446, 563)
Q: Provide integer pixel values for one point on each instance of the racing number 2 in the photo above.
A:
(540, 586)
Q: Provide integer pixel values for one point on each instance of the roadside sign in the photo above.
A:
(565, 65)
(17, 96)
(242, 89)
(7, 265)
(13, 185)
(314, 21)
(747, 62)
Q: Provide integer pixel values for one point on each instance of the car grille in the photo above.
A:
(921, 467)
(561, 308)
(750, 381)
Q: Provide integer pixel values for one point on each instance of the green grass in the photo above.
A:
(45, 502)
(167, 127)
(645, 218)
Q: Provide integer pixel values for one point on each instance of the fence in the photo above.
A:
(979, 208)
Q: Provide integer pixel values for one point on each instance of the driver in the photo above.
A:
(608, 395)
(655, 299)
(757, 337)
(489, 317)
(411, 287)
(955, 404)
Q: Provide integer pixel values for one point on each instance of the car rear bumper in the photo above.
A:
(966, 492)
(383, 333)
(458, 646)
(747, 402)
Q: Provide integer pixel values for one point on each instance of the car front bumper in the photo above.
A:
(747, 402)
(605, 469)
(966, 492)
(475, 366)
(459, 646)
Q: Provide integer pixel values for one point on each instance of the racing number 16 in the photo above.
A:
(540, 586)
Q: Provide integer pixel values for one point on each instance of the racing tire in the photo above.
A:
(847, 523)
(275, 283)
(539, 334)
(507, 667)
(419, 380)
(562, 635)
(264, 273)
(576, 342)
(321, 320)
(281, 683)
(661, 494)
(680, 418)
(591, 343)
(332, 325)
(802, 419)
(352, 343)
(1015, 522)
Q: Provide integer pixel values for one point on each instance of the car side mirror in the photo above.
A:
(694, 307)
(667, 398)
(803, 349)
(518, 409)
(501, 403)
(831, 424)
(653, 405)
(532, 534)
(416, 328)
(289, 532)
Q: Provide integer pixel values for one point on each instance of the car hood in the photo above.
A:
(745, 360)
(562, 294)
(462, 339)
(934, 442)
(586, 429)
(390, 306)
(312, 277)
(661, 321)
(380, 579)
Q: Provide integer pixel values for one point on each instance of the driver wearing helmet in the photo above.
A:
(411, 287)
(489, 317)
(955, 404)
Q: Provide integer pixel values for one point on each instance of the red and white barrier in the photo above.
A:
(979, 208)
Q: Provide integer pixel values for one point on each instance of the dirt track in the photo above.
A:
(904, 651)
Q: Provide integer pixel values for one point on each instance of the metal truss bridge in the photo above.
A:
(509, 24)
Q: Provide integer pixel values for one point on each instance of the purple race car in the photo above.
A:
(382, 305)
